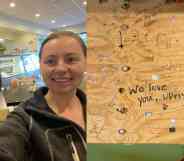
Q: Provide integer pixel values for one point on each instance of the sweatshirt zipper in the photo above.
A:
(83, 141)
(75, 154)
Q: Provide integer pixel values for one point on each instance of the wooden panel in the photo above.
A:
(136, 73)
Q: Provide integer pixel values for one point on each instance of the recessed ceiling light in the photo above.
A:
(53, 21)
(85, 3)
(1, 40)
(12, 4)
(37, 15)
(49, 33)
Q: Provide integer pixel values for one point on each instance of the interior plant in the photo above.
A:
(2, 48)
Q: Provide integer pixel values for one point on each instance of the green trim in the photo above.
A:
(136, 152)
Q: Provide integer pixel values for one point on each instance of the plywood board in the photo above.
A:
(135, 72)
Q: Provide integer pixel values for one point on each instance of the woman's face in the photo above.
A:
(62, 64)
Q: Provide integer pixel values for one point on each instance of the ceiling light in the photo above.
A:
(1, 40)
(53, 21)
(63, 25)
(37, 15)
(85, 3)
(12, 4)
(49, 33)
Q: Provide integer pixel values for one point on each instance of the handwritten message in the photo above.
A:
(165, 94)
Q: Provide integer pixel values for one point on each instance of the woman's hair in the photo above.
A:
(60, 34)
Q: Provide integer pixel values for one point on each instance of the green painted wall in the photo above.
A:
(135, 152)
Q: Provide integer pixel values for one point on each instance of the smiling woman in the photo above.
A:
(53, 121)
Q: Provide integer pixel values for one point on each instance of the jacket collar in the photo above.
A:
(39, 102)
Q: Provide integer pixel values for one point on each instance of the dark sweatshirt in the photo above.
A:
(33, 132)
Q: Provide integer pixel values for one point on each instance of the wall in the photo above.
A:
(135, 72)
(141, 152)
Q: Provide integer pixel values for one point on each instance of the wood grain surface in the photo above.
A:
(135, 75)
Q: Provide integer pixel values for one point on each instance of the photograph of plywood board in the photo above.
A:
(135, 74)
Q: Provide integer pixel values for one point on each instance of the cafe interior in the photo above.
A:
(23, 27)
